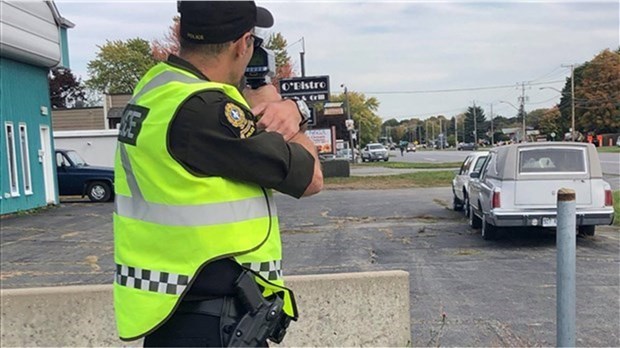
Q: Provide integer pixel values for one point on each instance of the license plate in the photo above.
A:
(549, 222)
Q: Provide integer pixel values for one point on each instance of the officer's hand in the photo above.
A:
(267, 93)
(279, 116)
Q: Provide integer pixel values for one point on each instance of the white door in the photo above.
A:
(46, 158)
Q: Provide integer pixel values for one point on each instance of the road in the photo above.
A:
(498, 293)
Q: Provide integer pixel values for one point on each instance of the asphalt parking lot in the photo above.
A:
(464, 291)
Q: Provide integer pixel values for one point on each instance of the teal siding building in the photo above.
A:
(33, 39)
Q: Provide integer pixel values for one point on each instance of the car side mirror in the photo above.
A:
(474, 175)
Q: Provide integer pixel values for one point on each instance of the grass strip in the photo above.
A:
(409, 165)
(608, 149)
(407, 180)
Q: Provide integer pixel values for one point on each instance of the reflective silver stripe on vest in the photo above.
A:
(162, 79)
(194, 215)
(135, 207)
(270, 270)
(149, 280)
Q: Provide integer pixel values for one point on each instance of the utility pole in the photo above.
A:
(346, 98)
(492, 131)
(439, 135)
(456, 133)
(426, 133)
(572, 100)
(475, 127)
(301, 55)
(522, 110)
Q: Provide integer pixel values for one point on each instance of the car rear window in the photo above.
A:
(552, 160)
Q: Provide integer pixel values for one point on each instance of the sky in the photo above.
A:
(417, 58)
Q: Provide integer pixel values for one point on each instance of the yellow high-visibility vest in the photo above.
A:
(169, 223)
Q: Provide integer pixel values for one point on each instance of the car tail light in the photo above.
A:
(496, 203)
(609, 199)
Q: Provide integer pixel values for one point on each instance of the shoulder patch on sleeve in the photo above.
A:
(237, 120)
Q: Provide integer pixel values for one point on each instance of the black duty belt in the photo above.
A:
(211, 307)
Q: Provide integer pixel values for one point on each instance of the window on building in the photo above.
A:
(23, 146)
(12, 160)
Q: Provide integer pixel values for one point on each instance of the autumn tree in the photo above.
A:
(170, 44)
(597, 92)
(119, 65)
(66, 90)
(277, 43)
(549, 123)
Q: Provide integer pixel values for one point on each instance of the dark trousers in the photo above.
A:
(195, 324)
(187, 330)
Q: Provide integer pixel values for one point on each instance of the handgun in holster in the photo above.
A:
(265, 318)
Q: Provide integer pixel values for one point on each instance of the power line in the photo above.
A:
(457, 89)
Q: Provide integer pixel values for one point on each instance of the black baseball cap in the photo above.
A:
(213, 22)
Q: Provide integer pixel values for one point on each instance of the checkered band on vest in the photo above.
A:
(149, 280)
(270, 270)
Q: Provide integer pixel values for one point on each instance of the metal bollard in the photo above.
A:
(566, 241)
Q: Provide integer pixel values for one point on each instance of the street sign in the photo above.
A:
(309, 88)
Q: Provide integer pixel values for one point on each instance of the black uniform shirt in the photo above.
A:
(206, 140)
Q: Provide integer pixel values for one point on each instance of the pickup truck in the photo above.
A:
(76, 177)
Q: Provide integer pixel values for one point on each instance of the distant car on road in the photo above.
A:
(76, 177)
(518, 186)
(460, 184)
(466, 146)
(375, 152)
(411, 147)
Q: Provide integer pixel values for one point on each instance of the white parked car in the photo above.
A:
(375, 152)
(460, 184)
(518, 186)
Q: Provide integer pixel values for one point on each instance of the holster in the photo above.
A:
(265, 318)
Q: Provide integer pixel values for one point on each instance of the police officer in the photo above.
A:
(195, 165)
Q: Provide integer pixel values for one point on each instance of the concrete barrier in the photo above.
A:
(336, 168)
(348, 309)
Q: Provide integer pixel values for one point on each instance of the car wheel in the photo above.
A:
(99, 191)
(474, 221)
(385, 160)
(466, 207)
(488, 231)
(457, 205)
(587, 230)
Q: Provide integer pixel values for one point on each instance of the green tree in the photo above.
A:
(479, 125)
(120, 65)
(532, 118)
(363, 113)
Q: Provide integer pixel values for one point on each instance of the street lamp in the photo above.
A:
(346, 98)
(572, 115)
(522, 112)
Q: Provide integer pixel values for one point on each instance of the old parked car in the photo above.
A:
(466, 147)
(375, 152)
(76, 177)
(460, 184)
(518, 186)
